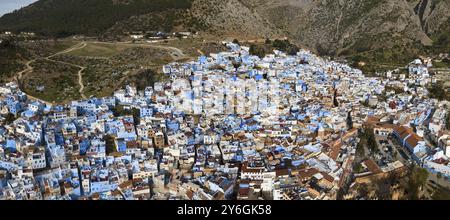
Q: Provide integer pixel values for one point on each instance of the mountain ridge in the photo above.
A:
(326, 26)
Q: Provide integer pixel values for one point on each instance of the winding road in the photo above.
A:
(29, 68)
(82, 68)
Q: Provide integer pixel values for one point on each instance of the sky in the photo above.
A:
(7, 6)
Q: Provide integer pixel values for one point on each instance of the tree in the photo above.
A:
(437, 91)
(257, 51)
(441, 194)
(7, 43)
(360, 152)
(446, 61)
(349, 120)
(8, 151)
(136, 115)
(110, 145)
(285, 46)
(369, 138)
(358, 168)
(292, 51)
(363, 190)
(10, 118)
(144, 78)
(382, 190)
(119, 111)
(335, 101)
(417, 179)
(236, 65)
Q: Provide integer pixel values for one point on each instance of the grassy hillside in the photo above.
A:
(100, 50)
(15, 52)
(59, 81)
(90, 17)
(11, 56)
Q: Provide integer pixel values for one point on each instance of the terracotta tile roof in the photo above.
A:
(190, 194)
(132, 144)
(126, 184)
(441, 161)
(333, 149)
(372, 120)
(350, 133)
(282, 172)
(307, 173)
(386, 125)
(327, 177)
(115, 193)
(404, 132)
(116, 154)
(413, 140)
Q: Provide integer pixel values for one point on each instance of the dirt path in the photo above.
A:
(68, 50)
(29, 68)
(80, 82)
(82, 68)
(200, 52)
(176, 52)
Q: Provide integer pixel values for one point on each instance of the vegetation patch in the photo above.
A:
(438, 91)
(52, 81)
(368, 139)
(444, 63)
(65, 18)
(269, 46)
(11, 58)
(136, 64)
(416, 180)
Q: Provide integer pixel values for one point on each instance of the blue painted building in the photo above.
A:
(14, 107)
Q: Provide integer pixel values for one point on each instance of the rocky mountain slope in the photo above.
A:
(230, 18)
(335, 27)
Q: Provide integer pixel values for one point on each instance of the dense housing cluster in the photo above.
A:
(227, 126)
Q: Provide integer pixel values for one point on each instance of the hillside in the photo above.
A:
(358, 25)
(90, 17)
(11, 56)
(386, 32)
(214, 18)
